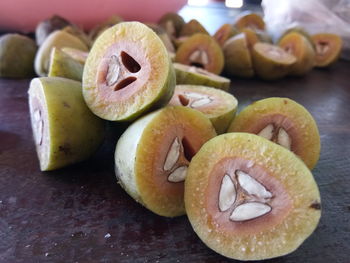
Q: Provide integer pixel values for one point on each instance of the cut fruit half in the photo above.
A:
(65, 131)
(47, 26)
(152, 156)
(284, 122)
(172, 23)
(271, 62)
(98, 29)
(328, 48)
(76, 54)
(192, 27)
(197, 76)
(163, 36)
(219, 106)
(250, 199)
(250, 20)
(128, 71)
(225, 32)
(202, 51)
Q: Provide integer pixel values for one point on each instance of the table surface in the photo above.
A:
(80, 214)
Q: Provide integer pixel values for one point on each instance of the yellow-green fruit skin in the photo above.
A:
(74, 132)
(287, 235)
(16, 56)
(302, 119)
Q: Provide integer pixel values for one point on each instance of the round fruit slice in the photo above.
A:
(65, 131)
(250, 199)
(16, 56)
(219, 106)
(271, 62)
(127, 72)
(225, 32)
(172, 24)
(285, 122)
(202, 51)
(296, 44)
(57, 39)
(197, 76)
(238, 60)
(328, 48)
(192, 27)
(251, 20)
(152, 156)
(46, 27)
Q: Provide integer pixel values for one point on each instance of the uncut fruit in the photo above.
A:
(271, 62)
(46, 27)
(65, 131)
(250, 199)
(98, 30)
(62, 65)
(76, 54)
(197, 76)
(192, 27)
(128, 72)
(152, 156)
(284, 122)
(219, 106)
(58, 39)
(251, 20)
(202, 51)
(328, 48)
(172, 23)
(299, 46)
(17, 54)
(225, 32)
(238, 60)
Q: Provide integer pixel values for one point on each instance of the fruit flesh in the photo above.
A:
(293, 217)
(285, 113)
(147, 142)
(128, 71)
(59, 115)
(328, 48)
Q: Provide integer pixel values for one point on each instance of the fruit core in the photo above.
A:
(199, 58)
(322, 47)
(194, 100)
(37, 121)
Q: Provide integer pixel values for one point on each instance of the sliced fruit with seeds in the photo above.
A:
(271, 62)
(152, 156)
(219, 106)
(197, 76)
(285, 122)
(238, 60)
(47, 26)
(250, 20)
(202, 51)
(128, 72)
(65, 130)
(225, 32)
(267, 214)
(192, 27)
(172, 24)
(58, 39)
(328, 48)
(299, 46)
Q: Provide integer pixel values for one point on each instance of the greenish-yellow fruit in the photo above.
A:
(17, 54)
(192, 27)
(62, 65)
(98, 30)
(65, 130)
(76, 54)
(79, 33)
(128, 72)
(172, 23)
(47, 26)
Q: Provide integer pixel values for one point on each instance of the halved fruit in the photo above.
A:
(285, 122)
(250, 199)
(300, 47)
(47, 26)
(254, 36)
(238, 60)
(76, 54)
(192, 27)
(62, 65)
(17, 54)
(57, 39)
(197, 76)
(172, 24)
(163, 36)
(271, 62)
(225, 32)
(128, 71)
(65, 131)
(328, 48)
(152, 156)
(98, 30)
(219, 106)
(202, 51)
(249, 19)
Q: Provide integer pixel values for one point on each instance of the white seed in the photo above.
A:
(267, 132)
(38, 124)
(195, 55)
(227, 195)
(200, 102)
(252, 186)
(113, 71)
(204, 58)
(194, 95)
(249, 211)
(178, 175)
(173, 155)
(284, 139)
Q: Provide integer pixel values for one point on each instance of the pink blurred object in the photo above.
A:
(24, 15)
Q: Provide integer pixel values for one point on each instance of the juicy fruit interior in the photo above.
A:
(274, 53)
(286, 186)
(327, 47)
(283, 113)
(127, 70)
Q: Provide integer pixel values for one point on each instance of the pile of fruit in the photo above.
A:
(248, 193)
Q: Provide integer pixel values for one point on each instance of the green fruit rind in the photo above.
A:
(62, 65)
(72, 133)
